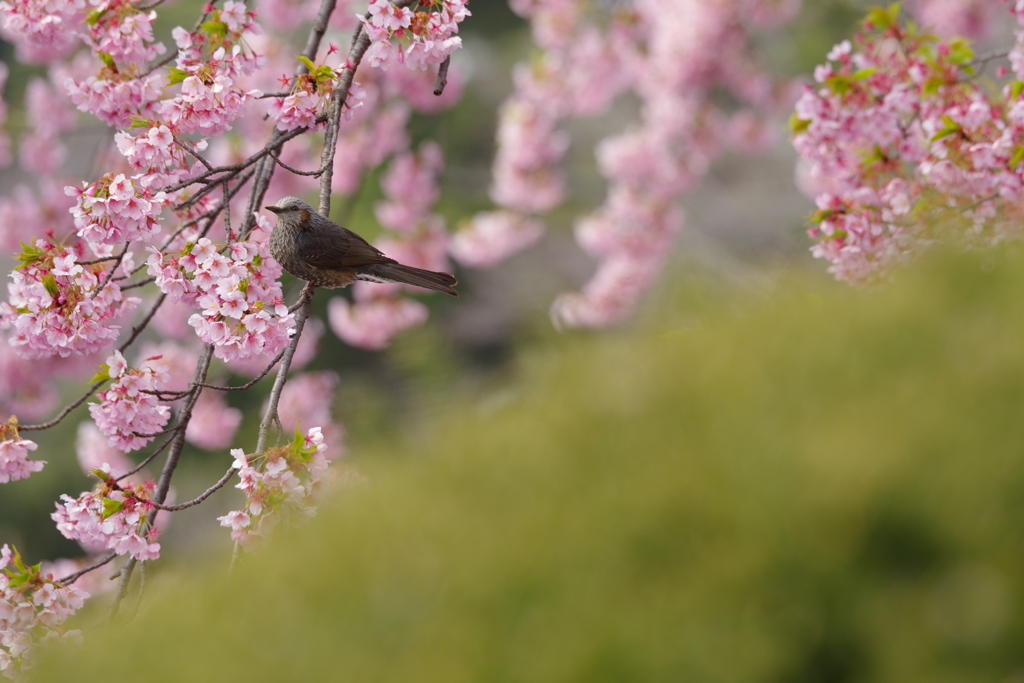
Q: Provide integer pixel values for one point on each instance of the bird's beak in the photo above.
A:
(272, 209)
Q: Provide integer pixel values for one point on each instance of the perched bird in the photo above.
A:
(324, 254)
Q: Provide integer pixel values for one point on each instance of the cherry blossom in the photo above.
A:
(126, 414)
(492, 236)
(113, 210)
(14, 462)
(56, 306)
(243, 311)
(275, 482)
(112, 516)
(33, 609)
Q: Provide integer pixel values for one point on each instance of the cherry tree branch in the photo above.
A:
(203, 496)
(71, 578)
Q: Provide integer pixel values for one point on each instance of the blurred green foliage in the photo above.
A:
(821, 485)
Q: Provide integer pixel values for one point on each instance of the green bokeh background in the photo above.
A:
(819, 485)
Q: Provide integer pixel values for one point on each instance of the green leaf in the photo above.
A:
(1018, 155)
(93, 17)
(102, 374)
(839, 84)
(308, 64)
(50, 283)
(176, 76)
(217, 29)
(28, 255)
(1016, 88)
(798, 125)
(111, 507)
(865, 73)
(945, 133)
(299, 442)
(932, 85)
(106, 59)
(960, 51)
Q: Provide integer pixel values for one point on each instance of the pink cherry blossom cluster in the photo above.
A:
(14, 462)
(33, 609)
(419, 239)
(56, 306)
(111, 516)
(115, 96)
(274, 482)
(113, 210)
(210, 62)
(900, 146)
(45, 26)
(155, 153)
(310, 93)
(675, 56)
(126, 413)
(243, 310)
(429, 36)
(493, 236)
(116, 29)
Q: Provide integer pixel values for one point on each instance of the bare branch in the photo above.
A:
(442, 76)
(64, 413)
(286, 167)
(245, 386)
(282, 372)
(71, 578)
(206, 494)
(137, 330)
(138, 468)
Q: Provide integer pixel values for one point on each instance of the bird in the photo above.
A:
(324, 254)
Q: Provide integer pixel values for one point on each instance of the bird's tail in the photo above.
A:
(407, 275)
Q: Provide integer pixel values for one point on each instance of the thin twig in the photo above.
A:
(110, 273)
(442, 76)
(71, 578)
(138, 468)
(140, 283)
(169, 430)
(137, 330)
(245, 386)
(64, 413)
(177, 444)
(296, 171)
(282, 371)
(206, 494)
(187, 145)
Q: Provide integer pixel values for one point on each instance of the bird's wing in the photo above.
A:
(339, 248)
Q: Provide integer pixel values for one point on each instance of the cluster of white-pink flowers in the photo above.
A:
(55, 305)
(128, 414)
(113, 210)
(275, 481)
(419, 239)
(417, 39)
(14, 462)
(33, 609)
(243, 310)
(155, 154)
(309, 95)
(44, 25)
(115, 28)
(899, 144)
(113, 516)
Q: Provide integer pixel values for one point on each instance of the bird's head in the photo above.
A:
(292, 212)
